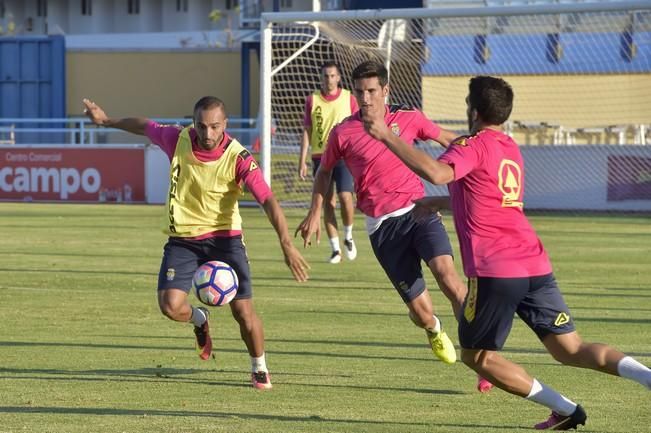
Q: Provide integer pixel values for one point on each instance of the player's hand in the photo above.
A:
(425, 207)
(302, 170)
(296, 263)
(95, 113)
(375, 126)
(309, 226)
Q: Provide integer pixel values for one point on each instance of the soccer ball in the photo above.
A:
(215, 283)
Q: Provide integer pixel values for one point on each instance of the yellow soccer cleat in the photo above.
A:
(442, 347)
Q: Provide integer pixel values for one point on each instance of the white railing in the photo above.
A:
(80, 131)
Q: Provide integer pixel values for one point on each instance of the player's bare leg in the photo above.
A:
(570, 349)
(253, 336)
(330, 221)
(448, 280)
(421, 312)
(347, 219)
(443, 270)
(174, 304)
(513, 379)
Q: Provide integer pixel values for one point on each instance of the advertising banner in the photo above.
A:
(72, 174)
(629, 178)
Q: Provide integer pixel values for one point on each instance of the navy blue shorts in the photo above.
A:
(400, 243)
(340, 175)
(182, 257)
(492, 302)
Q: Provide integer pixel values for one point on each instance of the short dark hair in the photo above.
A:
(207, 103)
(492, 98)
(370, 69)
(331, 64)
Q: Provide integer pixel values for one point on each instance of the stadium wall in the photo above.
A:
(619, 178)
(155, 84)
(574, 101)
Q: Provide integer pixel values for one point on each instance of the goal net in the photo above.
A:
(581, 75)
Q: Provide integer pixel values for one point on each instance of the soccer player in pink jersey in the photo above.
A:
(507, 267)
(385, 190)
(202, 219)
(323, 110)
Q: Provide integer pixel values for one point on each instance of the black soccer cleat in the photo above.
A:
(557, 421)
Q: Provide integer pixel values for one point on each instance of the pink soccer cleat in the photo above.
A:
(261, 380)
(557, 421)
(483, 385)
(202, 333)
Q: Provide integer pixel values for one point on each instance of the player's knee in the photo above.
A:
(246, 317)
(329, 206)
(469, 357)
(476, 359)
(169, 310)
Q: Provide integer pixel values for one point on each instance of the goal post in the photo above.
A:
(581, 74)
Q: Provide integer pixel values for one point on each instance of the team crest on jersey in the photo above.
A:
(562, 319)
(461, 141)
(395, 128)
(170, 274)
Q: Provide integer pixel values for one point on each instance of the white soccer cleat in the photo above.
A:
(335, 257)
(350, 248)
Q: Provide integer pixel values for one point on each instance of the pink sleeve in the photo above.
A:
(247, 170)
(428, 129)
(353, 104)
(163, 136)
(332, 152)
(307, 116)
(463, 158)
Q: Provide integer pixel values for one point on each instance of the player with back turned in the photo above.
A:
(506, 264)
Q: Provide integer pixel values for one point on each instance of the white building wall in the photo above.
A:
(174, 20)
(148, 19)
(100, 20)
(111, 16)
(57, 16)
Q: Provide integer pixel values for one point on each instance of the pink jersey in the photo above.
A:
(307, 114)
(383, 184)
(495, 237)
(166, 137)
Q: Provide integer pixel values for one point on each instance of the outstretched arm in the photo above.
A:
(312, 222)
(134, 125)
(419, 162)
(293, 257)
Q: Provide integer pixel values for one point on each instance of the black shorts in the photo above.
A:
(182, 257)
(340, 175)
(492, 302)
(400, 243)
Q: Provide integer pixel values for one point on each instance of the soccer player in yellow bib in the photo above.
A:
(324, 109)
(202, 220)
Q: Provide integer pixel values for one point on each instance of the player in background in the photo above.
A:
(385, 190)
(507, 267)
(202, 219)
(324, 109)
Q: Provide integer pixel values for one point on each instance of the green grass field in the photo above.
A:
(83, 347)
